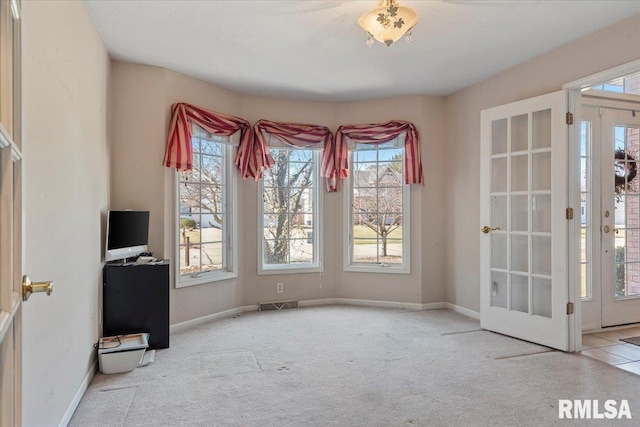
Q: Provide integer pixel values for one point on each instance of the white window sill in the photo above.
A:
(289, 270)
(377, 268)
(185, 281)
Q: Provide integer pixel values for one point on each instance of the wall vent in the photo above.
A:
(277, 305)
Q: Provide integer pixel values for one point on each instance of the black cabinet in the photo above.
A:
(135, 298)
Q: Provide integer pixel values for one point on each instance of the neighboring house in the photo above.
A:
(366, 200)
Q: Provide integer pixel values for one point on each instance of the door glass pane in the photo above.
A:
(519, 173)
(541, 171)
(633, 254)
(632, 212)
(627, 245)
(520, 133)
(499, 212)
(519, 213)
(541, 251)
(632, 279)
(499, 250)
(519, 253)
(499, 175)
(541, 129)
(632, 141)
(583, 174)
(520, 293)
(499, 289)
(541, 297)
(620, 273)
(585, 203)
(584, 282)
(541, 213)
(499, 136)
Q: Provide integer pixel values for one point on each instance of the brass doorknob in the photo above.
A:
(29, 287)
(486, 229)
(606, 229)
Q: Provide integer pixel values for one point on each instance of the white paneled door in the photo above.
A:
(10, 218)
(524, 226)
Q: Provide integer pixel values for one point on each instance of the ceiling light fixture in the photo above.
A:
(388, 23)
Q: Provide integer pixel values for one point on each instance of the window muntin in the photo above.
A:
(378, 208)
(206, 207)
(289, 212)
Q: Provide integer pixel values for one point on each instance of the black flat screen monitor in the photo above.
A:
(127, 234)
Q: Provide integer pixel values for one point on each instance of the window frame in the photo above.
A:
(348, 264)
(318, 224)
(229, 145)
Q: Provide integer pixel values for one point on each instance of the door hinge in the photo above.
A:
(569, 118)
(569, 308)
(569, 213)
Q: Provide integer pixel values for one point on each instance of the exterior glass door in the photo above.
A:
(620, 217)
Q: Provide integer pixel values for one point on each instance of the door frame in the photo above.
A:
(575, 88)
(593, 107)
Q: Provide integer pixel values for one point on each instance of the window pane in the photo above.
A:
(301, 250)
(288, 208)
(202, 208)
(377, 205)
(211, 256)
(276, 251)
(365, 174)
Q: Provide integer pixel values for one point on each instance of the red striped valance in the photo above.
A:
(294, 135)
(179, 151)
(377, 134)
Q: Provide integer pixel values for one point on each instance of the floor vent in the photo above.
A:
(277, 305)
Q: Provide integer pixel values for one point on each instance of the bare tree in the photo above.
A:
(379, 207)
(205, 197)
(284, 187)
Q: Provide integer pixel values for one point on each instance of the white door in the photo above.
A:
(524, 245)
(620, 216)
(10, 221)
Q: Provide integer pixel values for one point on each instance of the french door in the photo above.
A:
(10, 218)
(524, 199)
(620, 216)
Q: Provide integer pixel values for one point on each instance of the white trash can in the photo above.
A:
(121, 353)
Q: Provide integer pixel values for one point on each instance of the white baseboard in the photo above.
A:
(382, 304)
(434, 306)
(316, 302)
(252, 307)
(328, 301)
(204, 319)
(463, 311)
(78, 396)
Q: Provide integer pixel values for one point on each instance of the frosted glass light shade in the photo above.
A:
(388, 33)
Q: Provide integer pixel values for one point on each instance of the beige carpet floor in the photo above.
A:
(352, 366)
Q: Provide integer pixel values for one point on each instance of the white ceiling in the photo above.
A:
(315, 50)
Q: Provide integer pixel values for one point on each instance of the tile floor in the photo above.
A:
(607, 347)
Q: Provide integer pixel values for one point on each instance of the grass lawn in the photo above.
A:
(361, 233)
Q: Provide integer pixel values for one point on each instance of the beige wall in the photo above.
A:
(605, 49)
(141, 100)
(425, 283)
(142, 96)
(65, 127)
(296, 286)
